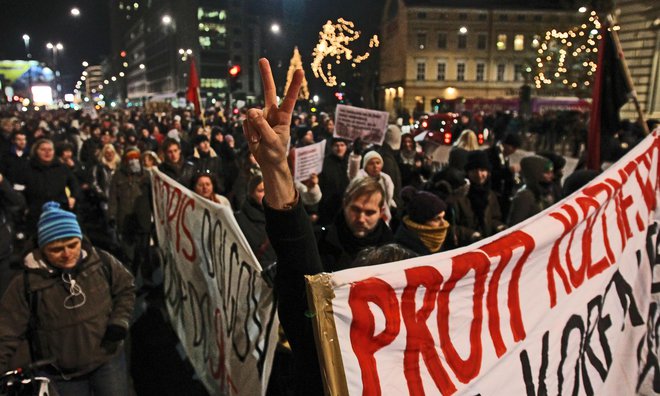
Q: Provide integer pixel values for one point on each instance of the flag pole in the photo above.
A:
(626, 71)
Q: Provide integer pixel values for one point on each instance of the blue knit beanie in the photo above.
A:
(55, 223)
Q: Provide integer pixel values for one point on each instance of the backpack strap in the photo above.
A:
(31, 296)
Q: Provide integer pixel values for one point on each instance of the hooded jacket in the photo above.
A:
(72, 336)
(533, 197)
(128, 203)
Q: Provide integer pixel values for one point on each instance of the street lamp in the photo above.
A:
(26, 40)
(166, 19)
(275, 28)
(85, 64)
(56, 48)
(75, 11)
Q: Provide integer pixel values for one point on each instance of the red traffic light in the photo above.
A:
(122, 54)
(235, 70)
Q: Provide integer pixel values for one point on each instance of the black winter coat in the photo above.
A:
(333, 182)
(47, 182)
(252, 221)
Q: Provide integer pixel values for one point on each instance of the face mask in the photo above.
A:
(134, 165)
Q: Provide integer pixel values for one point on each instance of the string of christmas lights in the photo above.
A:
(334, 41)
(563, 57)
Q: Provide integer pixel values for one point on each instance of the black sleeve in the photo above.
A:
(292, 237)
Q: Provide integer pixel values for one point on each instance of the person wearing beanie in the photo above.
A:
(477, 215)
(372, 166)
(503, 178)
(424, 228)
(80, 300)
(538, 193)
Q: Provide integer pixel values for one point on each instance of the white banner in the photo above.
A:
(219, 304)
(564, 303)
(308, 160)
(354, 122)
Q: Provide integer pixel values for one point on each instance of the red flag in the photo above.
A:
(609, 94)
(193, 88)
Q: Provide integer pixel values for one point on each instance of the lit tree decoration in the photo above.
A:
(568, 60)
(295, 64)
(334, 41)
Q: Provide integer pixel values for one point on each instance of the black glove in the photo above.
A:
(113, 335)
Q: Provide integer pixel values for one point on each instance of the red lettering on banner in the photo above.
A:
(554, 264)
(174, 220)
(191, 256)
(504, 248)
(419, 339)
(465, 370)
(365, 343)
(590, 266)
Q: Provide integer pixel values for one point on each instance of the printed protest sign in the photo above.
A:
(308, 160)
(220, 306)
(566, 302)
(354, 122)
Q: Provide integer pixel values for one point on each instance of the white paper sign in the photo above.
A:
(354, 122)
(308, 160)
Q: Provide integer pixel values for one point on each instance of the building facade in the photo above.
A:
(640, 41)
(158, 44)
(433, 50)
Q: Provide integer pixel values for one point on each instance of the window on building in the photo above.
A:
(421, 71)
(483, 17)
(482, 41)
(518, 72)
(204, 42)
(463, 16)
(504, 17)
(421, 40)
(501, 42)
(442, 71)
(481, 72)
(462, 41)
(238, 44)
(520, 18)
(460, 71)
(538, 18)
(421, 15)
(442, 40)
(518, 42)
(501, 68)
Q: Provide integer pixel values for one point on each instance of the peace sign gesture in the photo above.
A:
(267, 132)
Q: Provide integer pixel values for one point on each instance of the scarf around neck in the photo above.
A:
(431, 237)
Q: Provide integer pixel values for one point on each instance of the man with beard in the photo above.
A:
(478, 213)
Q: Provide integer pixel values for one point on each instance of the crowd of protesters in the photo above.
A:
(391, 197)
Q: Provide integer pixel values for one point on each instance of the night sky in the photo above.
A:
(87, 37)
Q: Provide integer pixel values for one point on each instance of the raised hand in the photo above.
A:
(267, 131)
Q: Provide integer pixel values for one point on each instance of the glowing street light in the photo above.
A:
(142, 66)
(582, 10)
(275, 28)
(462, 30)
(75, 11)
(166, 19)
(85, 64)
